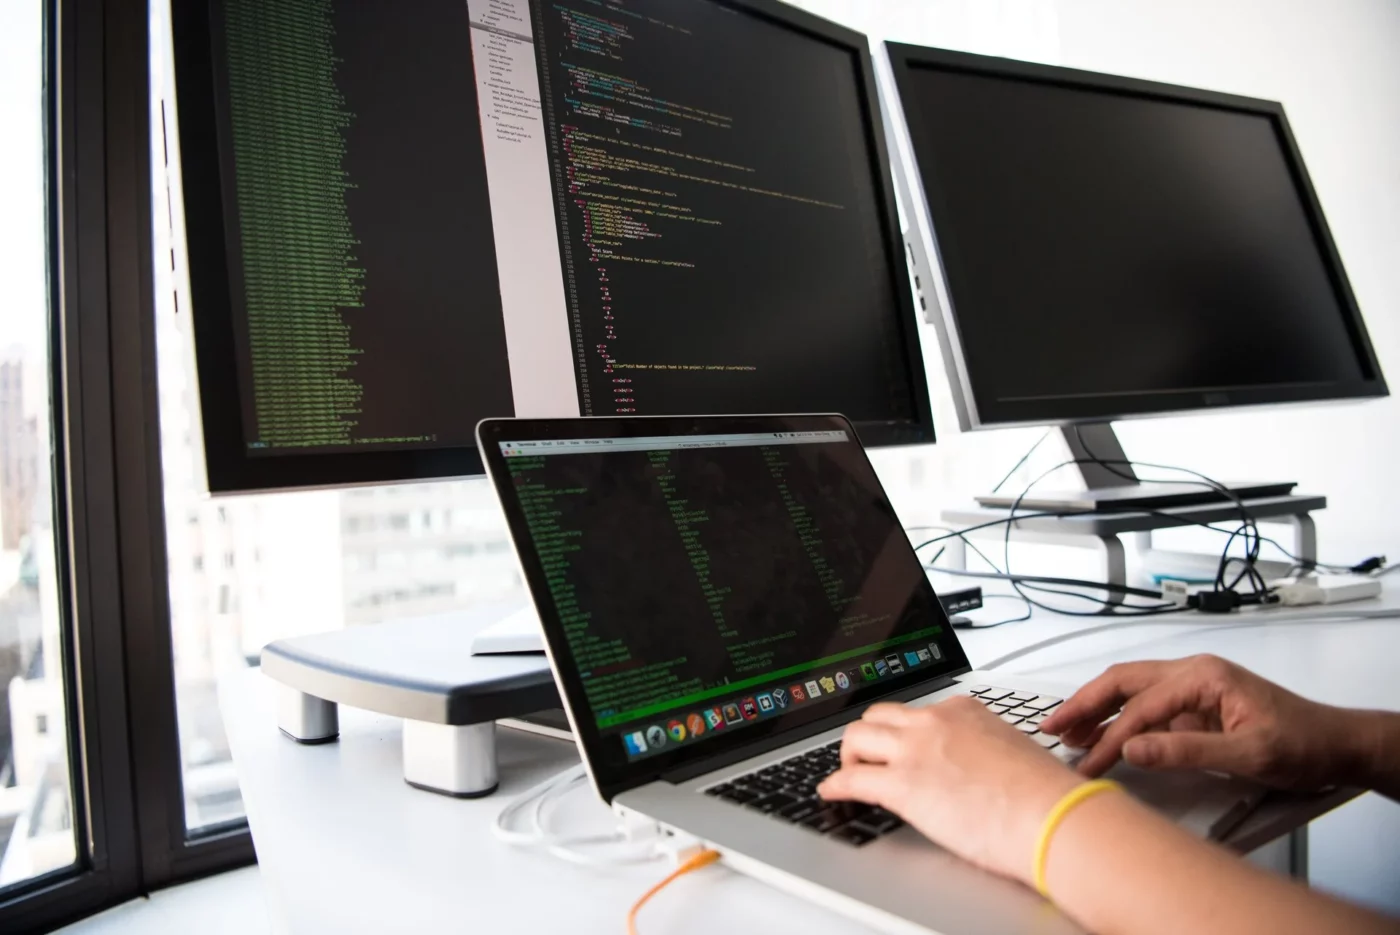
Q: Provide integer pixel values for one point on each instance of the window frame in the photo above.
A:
(119, 681)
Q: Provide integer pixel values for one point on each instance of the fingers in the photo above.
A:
(1101, 698)
(1191, 750)
(1154, 707)
(870, 742)
(888, 713)
(862, 782)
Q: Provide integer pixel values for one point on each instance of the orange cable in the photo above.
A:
(702, 859)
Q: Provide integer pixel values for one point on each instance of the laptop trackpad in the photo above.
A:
(1206, 804)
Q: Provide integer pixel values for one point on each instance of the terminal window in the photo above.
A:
(367, 309)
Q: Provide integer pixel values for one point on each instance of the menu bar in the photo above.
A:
(570, 446)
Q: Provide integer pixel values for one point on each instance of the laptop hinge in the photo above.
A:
(689, 771)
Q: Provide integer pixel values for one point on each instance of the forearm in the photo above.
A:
(1376, 761)
(1120, 869)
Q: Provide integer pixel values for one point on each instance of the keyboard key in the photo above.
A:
(742, 796)
(720, 789)
(1027, 727)
(1024, 712)
(1046, 740)
(996, 694)
(1019, 697)
(881, 823)
(853, 834)
(979, 689)
(1000, 708)
(1043, 703)
(771, 803)
(823, 821)
(1010, 718)
(986, 701)
(801, 809)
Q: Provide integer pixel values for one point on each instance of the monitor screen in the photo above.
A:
(704, 585)
(1112, 247)
(725, 214)
(374, 255)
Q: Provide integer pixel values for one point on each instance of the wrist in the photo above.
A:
(1037, 809)
(1371, 740)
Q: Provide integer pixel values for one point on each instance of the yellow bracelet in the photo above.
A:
(1057, 815)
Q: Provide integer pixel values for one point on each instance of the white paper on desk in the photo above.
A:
(517, 633)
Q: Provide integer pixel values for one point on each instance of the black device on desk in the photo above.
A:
(1093, 247)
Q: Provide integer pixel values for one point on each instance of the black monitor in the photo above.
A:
(374, 262)
(1103, 247)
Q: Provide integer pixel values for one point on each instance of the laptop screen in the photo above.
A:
(712, 586)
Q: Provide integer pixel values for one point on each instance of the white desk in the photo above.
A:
(345, 846)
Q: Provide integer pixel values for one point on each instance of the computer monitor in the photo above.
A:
(373, 255)
(1103, 248)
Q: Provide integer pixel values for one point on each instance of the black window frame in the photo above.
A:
(119, 680)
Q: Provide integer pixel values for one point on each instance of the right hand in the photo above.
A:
(1206, 713)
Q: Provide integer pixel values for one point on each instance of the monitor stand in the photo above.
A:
(1113, 486)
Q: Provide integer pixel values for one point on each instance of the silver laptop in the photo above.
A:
(719, 596)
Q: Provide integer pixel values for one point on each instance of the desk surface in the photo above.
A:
(345, 846)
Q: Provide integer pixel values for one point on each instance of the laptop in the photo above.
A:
(719, 597)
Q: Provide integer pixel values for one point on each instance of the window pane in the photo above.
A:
(36, 801)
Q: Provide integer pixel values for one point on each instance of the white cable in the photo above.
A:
(535, 801)
(1264, 618)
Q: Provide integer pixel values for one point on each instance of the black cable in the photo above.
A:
(1024, 458)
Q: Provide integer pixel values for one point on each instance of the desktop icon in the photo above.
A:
(828, 684)
(925, 656)
(656, 736)
(636, 743)
(911, 659)
(781, 697)
(935, 651)
(812, 690)
(797, 693)
(867, 671)
(750, 709)
(896, 666)
(714, 720)
(843, 681)
(731, 714)
(882, 668)
(765, 703)
(695, 724)
(677, 730)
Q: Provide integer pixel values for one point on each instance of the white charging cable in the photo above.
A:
(531, 809)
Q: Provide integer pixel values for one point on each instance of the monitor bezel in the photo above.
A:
(920, 429)
(610, 773)
(930, 246)
(229, 467)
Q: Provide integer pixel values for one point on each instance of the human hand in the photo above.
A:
(957, 773)
(1205, 713)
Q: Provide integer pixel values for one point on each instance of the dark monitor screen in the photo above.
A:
(1112, 247)
(726, 215)
(779, 587)
(374, 256)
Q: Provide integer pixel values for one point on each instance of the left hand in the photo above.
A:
(957, 773)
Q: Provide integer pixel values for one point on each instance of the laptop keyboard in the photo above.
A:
(787, 790)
